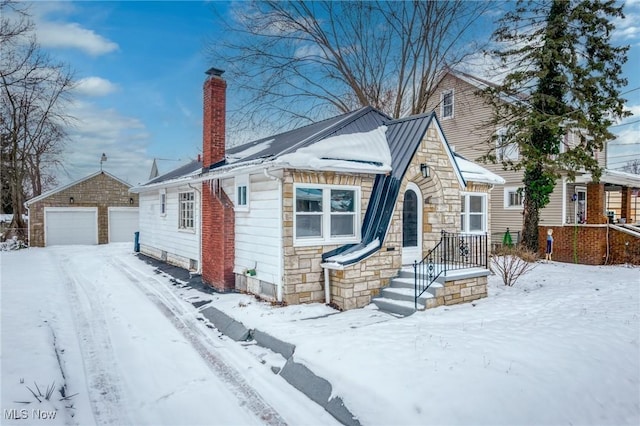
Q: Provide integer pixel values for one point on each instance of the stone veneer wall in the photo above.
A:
(101, 191)
(459, 291)
(354, 286)
(303, 277)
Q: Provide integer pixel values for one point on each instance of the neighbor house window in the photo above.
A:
(505, 151)
(186, 210)
(446, 104)
(513, 198)
(242, 193)
(325, 214)
(473, 215)
(163, 202)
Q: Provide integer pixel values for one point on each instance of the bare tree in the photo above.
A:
(632, 166)
(300, 61)
(33, 93)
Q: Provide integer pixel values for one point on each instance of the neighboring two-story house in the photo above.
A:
(464, 116)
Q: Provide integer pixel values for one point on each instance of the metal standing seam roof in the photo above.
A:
(363, 120)
(404, 137)
(181, 171)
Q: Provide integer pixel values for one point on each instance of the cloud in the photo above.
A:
(95, 86)
(635, 110)
(96, 130)
(72, 35)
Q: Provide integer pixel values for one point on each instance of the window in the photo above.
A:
(505, 151)
(513, 198)
(242, 193)
(325, 214)
(473, 215)
(163, 202)
(446, 104)
(186, 210)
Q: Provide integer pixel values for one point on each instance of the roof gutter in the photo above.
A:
(248, 167)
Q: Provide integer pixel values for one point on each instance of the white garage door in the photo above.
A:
(65, 226)
(123, 222)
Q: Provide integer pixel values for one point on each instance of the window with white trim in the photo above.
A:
(163, 202)
(242, 193)
(446, 104)
(513, 198)
(326, 214)
(505, 151)
(473, 215)
(186, 210)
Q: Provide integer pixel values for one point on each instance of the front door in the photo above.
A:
(412, 225)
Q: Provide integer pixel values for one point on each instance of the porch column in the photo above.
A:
(625, 208)
(595, 204)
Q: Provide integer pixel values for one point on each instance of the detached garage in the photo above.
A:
(95, 210)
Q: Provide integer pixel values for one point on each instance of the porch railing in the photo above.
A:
(454, 251)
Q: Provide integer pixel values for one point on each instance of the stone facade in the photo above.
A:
(460, 290)
(303, 277)
(355, 285)
(101, 190)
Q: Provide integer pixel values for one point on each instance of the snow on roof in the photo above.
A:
(259, 147)
(476, 173)
(613, 177)
(365, 151)
(340, 259)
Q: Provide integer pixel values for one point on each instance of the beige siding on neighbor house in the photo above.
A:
(469, 132)
(552, 213)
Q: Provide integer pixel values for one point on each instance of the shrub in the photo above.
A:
(510, 263)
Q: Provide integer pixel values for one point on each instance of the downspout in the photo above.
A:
(280, 238)
(327, 289)
(199, 271)
(327, 267)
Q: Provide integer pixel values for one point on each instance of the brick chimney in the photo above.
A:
(213, 126)
(218, 216)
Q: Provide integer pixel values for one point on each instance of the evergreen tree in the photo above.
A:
(565, 78)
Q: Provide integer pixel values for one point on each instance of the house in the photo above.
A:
(96, 209)
(574, 206)
(170, 227)
(326, 212)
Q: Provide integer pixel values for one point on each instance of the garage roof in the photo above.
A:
(69, 185)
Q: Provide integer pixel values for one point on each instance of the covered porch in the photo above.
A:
(603, 230)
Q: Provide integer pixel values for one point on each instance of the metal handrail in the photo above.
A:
(454, 251)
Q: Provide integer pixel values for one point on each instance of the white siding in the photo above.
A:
(259, 230)
(159, 233)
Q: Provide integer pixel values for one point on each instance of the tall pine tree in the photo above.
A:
(565, 77)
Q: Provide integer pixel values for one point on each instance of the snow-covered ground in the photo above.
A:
(561, 347)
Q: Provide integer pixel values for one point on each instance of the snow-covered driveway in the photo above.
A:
(126, 350)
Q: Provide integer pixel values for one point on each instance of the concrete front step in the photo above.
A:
(436, 289)
(404, 294)
(397, 307)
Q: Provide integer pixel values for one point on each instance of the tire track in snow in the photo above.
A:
(173, 307)
(100, 366)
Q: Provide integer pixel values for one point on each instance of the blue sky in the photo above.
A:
(140, 68)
